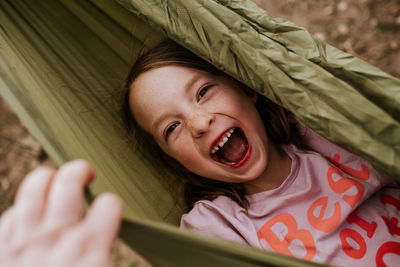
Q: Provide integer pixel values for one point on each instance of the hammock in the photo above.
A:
(61, 63)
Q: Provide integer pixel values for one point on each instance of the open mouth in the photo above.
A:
(231, 148)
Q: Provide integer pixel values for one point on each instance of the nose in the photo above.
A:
(200, 122)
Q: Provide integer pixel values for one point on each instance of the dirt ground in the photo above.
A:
(368, 29)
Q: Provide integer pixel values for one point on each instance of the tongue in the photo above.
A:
(235, 149)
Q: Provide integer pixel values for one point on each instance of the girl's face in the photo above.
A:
(204, 121)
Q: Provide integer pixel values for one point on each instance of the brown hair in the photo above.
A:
(275, 119)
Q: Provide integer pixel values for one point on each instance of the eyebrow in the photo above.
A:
(187, 87)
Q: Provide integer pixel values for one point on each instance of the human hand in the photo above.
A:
(48, 226)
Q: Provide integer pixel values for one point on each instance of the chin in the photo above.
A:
(258, 168)
(254, 170)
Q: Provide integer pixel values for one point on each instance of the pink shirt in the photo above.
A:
(334, 209)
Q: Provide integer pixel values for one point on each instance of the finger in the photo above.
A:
(7, 222)
(66, 200)
(103, 220)
(31, 197)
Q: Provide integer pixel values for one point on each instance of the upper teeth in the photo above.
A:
(222, 141)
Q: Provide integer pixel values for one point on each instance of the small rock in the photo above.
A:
(374, 22)
(397, 20)
(5, 184)
(328, 10)
(347, 45)
(342, 6)
(29, 142)
(320, 35)
(343, 29)
(394, 45)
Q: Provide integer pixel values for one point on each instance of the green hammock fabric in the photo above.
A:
(61, 63)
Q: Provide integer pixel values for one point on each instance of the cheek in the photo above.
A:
(239, 100)
(188, 159)
(193, 162)
(184, 152)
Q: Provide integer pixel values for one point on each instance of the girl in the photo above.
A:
(253, 174)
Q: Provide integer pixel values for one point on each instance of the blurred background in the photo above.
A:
(368, 29)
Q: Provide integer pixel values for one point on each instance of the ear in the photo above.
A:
(253, 95)
(249, 92)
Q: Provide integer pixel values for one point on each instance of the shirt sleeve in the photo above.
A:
(207, 219)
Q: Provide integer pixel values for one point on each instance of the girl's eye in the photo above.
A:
(170, 129)
(202, 92)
